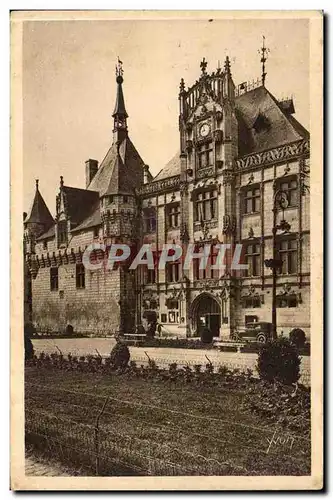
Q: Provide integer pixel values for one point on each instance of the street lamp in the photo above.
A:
(280, 201)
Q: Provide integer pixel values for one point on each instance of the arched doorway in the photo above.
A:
(206, 312)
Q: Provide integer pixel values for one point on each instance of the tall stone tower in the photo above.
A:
(119, 174)
(208, 149)
(36, 222)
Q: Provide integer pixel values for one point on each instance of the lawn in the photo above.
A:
(153, 427)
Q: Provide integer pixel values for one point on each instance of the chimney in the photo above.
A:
(146, 174)
(91, 169)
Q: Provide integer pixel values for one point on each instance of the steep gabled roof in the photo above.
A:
(39, 213)
(79, 203)
(279, 127)
(171, 169)
(120, 172)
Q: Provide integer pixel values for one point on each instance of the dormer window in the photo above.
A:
(62, 233)
(262, 123)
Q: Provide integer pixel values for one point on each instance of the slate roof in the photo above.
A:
(171, 169)
(282, 128)
(79, 203)
(50, 233)
(119, 173)
(39, 213)
(94, 219)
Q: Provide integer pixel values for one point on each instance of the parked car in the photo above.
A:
(259, 331)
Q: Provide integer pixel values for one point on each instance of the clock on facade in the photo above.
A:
(204, 130)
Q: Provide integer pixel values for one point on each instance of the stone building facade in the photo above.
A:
(238, 146)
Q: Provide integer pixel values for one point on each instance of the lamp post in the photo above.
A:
(280, 201)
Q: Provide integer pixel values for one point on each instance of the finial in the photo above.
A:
(61, 181)
(203, 66)
(227, 65)
(119, 71)
(263, 52)
(37, 181)
(182, 85)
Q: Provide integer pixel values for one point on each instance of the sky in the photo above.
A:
(69, 85)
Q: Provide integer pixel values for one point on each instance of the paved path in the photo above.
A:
(163, 356)
(39, 467)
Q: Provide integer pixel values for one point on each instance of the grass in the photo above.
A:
(153, 427)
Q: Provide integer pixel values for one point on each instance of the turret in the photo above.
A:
(38, 220)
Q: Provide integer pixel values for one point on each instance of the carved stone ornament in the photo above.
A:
(204, 172)
(228, 176)
(171, 183)
(251, 232)
(229, 224)
(277, 154)
(219, 116)
(189, 127)
(189, 145)
(218, 135)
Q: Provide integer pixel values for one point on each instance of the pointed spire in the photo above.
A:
(39, 213)
(119, 113)
(203, 66)
(227, 66)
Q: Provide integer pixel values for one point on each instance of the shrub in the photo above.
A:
(28, 348)
(278, 361)
(29, 330)
(297, 337)
(120, 355)
(206, 336)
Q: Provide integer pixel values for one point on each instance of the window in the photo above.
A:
(80, 276)
(172, 272)
(208, 272)
(251, 301)
(286, 301)
(54, 280)
(252, 200)
(125, 199)
(163, 318)
(150, 276)
(288, 256)
(252, 258)
(62, 233)
(45, 245)
(172, 304)
(290, 187)
(149, 220)
(250, 319)
(205, 155)
(206, 205)
(173, 215)
(96, 232)
(111, 199)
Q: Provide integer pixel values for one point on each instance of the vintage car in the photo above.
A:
(259, 331)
